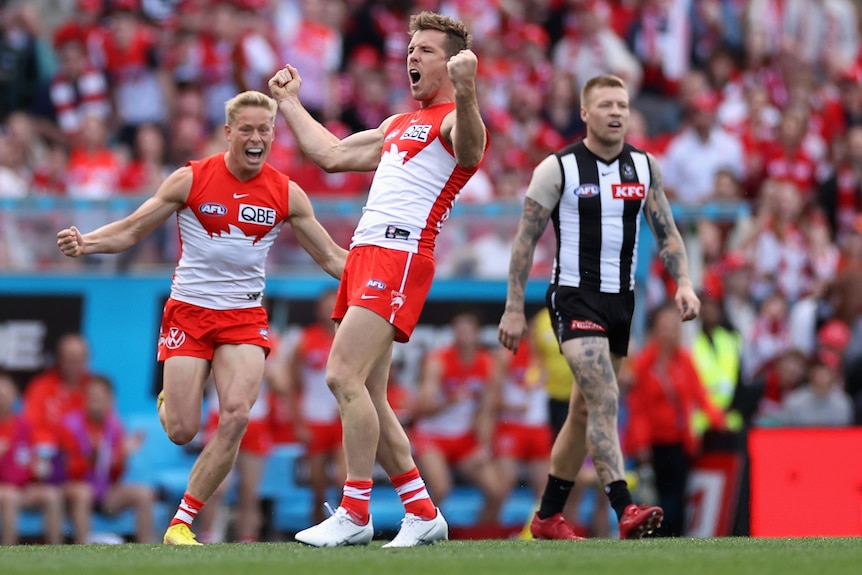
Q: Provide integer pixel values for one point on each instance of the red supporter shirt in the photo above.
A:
(662, 402)
(47, 400)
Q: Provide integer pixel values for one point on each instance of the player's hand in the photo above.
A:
(687, 302)
(513, 327)
(71, 242)
(462, 67)
(285, 83)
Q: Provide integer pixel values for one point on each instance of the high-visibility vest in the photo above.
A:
(717, 364)
(560, 378)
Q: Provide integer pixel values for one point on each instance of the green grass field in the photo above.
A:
(733, 556)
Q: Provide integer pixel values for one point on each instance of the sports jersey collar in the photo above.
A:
(599, 158)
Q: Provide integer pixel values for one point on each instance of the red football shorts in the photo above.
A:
(325, 437)
(257, 439)
(191, 331)
(391, 283)
(523, 442)
(455, 449)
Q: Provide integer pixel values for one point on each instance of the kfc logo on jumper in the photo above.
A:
(256, 215)
(585, 325)
(397, 300)
(212, 209)
(628, 191)
(417, 132)
(174, 340)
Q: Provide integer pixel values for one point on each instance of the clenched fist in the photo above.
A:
(285, 83)
(462, 67)
(70, 242)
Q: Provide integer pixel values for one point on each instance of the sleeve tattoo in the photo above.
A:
(534, 219)
(660, 219)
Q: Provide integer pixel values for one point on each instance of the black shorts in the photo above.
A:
(583, 313)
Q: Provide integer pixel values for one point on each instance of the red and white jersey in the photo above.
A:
(318, 404)
(463, 384)
(525, 400)
(415, 185)
(227, 227)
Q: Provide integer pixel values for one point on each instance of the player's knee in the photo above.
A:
(233, 420)
(181, 432)
(342, 386)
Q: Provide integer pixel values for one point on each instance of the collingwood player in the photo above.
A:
(594, 192)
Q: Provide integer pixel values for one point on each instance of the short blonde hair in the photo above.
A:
(245, 100)
(457, 36)
(603, 81)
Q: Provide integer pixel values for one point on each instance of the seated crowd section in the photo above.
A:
(753, 109)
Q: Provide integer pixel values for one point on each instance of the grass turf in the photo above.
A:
(731, 556)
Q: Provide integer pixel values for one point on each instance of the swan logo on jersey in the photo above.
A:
(587, 190)
(397, 301)
(376, 284)
(628, 191)
(256, 215)
(212, 209)
(174, 340)
(391, 135)
(418, 132)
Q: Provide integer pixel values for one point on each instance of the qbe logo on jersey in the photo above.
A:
(418, 132)
(256, 215)
(628, 191)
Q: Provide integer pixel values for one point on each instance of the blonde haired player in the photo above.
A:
(230, 207)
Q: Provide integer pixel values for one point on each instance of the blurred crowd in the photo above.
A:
(750, 103)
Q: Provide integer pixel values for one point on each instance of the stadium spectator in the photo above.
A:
(591, 47)
(147, 167)
(454, 421)
(50, 396)
(78, 89)
(95, 448)
(695, 155)
(132, 64)
(317, 424)
(662, 402)
(840, 196)
(783, 375)
(522, 437)
(821, 401)
(21, 485)
(94, 168)
(23, 71)
(14, 176)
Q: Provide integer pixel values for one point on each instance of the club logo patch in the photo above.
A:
(174, 339)
(212, 209)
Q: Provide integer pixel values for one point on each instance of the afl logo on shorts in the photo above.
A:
(587, 190)
(175, 338)
(212, 209)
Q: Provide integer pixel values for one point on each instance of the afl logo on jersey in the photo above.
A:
(212, 209)
(587, 190)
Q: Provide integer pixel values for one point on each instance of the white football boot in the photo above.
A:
(416, 531)
(336, 531)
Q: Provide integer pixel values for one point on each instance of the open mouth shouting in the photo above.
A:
(415, 76)
(615, 125)
(255, 154)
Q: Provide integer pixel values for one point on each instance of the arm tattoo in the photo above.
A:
(660, 219)
(534, 219)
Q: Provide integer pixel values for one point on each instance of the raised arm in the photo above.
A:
(543, 195)
(670, 246)
(312, 236)
(122, 234)
(359, 152)
(464, 127)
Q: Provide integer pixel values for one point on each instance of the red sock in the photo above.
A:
(356, 497)
(189, 508)
(411, 488)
